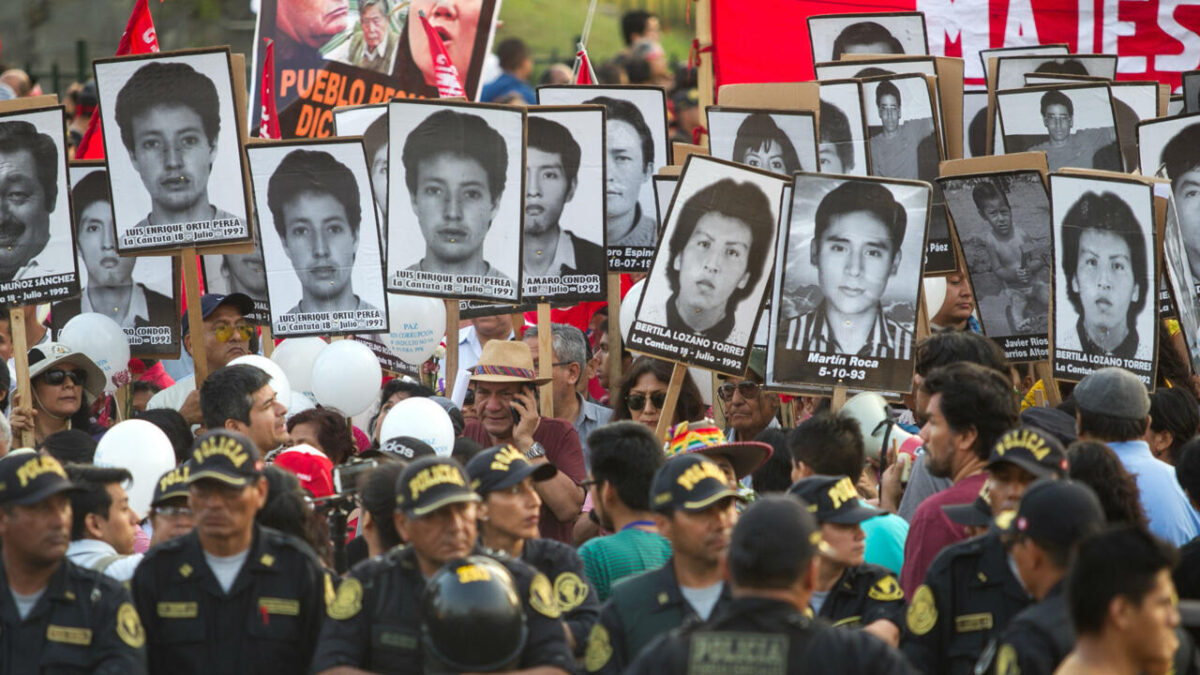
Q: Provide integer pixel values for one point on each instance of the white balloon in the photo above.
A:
(299, 403)
(423, 420)
(145, 451)
(104, 342)
(279, 379)
(935, 294)
(295, 357)
(629, 308)
(346, 375)
(416, 328)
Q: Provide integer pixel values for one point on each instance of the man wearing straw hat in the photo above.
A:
(505, 384)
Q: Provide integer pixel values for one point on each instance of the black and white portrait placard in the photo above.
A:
(1179, 272)
(1104, 247)
(842, 136)
(456, 177)
(174, 152)
(370, 122)
(1168, 147)
(1003, 225)
(137, 293)
(320, 238)
(847, 280)
(974, 115)
(637, 147)
(1023, 50)
(564, 257)
(834, 35)
(664, 190)
(1191, 91)
(1011, 70)
(860, 68)
(1133, 102)
(1073, 124)
(245, 273)
(776, 141)
(704, 294)
(37, 247)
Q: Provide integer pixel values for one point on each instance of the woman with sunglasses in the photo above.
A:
(64, 383)
(643, 391)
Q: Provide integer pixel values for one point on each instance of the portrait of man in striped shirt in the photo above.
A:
(856, 252)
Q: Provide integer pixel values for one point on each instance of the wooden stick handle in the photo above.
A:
(191, 284)
(614, 334)
(451, 345)
(16, 323)
(545, 357)
(667, 414)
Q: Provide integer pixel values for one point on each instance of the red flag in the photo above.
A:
(584, 73)
(269, 127)
(444, 73)
(139, 38)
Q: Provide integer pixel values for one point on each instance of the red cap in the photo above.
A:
(311, 466)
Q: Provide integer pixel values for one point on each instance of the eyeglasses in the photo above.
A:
(587, 484)
(746, 388)
(224, 332)
(57, 376)
(173, 512)
(638, 401)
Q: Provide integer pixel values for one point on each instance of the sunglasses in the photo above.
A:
(638, 401)
(57, 376)
(746, 388)
(224, 332)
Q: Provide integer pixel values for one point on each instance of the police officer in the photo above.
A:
(695, 508)
(508, 524)
(170, 515)
(849, 591)
(764, 628)
(230, 596)
(374, 623)
(971, 592)
(54, 615)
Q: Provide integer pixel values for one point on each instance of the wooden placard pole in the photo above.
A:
(451, 345)
(268, 342)
(668, 411)
(1046, 374)
(16, 323)
(718, 406)
(839, 398)
(191, 284)
(121, 398)
(614, 333)
(545, 357)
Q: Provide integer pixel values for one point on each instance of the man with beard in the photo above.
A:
(170, 117)
(29, 163)
(695, 509)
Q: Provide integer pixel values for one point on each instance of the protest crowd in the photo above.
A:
(544, 423)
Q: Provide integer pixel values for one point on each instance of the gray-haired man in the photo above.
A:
(571, 355)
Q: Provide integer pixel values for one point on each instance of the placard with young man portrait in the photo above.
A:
(320, 237)
(1075, 125)
(705, 291)
(832, 36)
(1182, 283)
(848, 275)
(1170, 148)
(174, 150)
(37, 247)
(842, 132)
(456, 174)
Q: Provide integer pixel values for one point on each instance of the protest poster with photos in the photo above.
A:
(985, 55)
(1169, 147)
(1010, 72)
(1191, 91)
(664, 190)
(637, 146)
(139, 294)
(1178, 264)
(1075, 125)
(704, 295)
(37, 241)
(781, 142)
(172, 127)
(847, 284)
(370, 122)
(564, 257)
(1104, 245)
(842, 136)
(363, 52)
(833, 35)
(320, 237)
(456, 177)
(1002, 220)
(245, 273)
(975, 106)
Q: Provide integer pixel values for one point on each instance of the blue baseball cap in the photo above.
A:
(209, 302)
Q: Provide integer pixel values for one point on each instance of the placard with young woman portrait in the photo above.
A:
(848, 275)
(637, 147)
(172, 127)
(781, 142)
(1002, 220)
(1104, 246)
(137, 293)
(320, 237)
(37, 242)
(456, 178)
(704, 295)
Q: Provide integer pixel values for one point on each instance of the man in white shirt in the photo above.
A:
(102, 524)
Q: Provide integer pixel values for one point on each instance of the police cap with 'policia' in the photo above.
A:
(171, 485)
(29, 478)
(689, 483)
(225, 456)
(832, 499)
(430, 483)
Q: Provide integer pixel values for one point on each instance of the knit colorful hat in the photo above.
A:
(705, 437)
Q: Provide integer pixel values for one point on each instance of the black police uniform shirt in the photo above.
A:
(863, 595)
(969, 595)
(84, 622)
(1037, 639)
(268, 622)
(763, 635)
(375, 621)
(641, 608)
(576, 598)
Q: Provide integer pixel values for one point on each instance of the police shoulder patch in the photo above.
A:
(599, 648)
(348, 601)
(541, 597)
(129, 626)
(922, 613)
(1006, 661)
(569, 591)
(886, 590)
